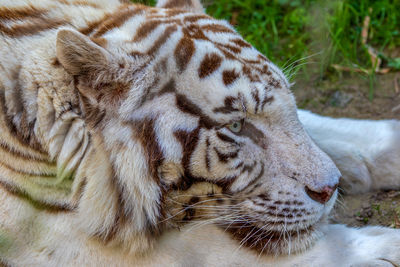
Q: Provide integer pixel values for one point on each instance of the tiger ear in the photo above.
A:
(188, 5)
(79, 55)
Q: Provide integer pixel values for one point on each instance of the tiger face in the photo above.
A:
(197, 126)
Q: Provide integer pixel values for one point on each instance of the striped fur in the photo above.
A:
(120, 123)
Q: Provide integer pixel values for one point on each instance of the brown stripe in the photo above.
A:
(121, 217)
(226, 138)
(265, 70)
(146, 95)
(173, 12)
(85, 3)
(160, 41)
(249, 187)
(20, 13)
(248, 168)
(234, 49)
(119, 18)
(189, 141)
(144, 132)
(148, 27)
(184, 52)
(40, 205)
(178, 4)
(256, 98)
(225, 157)
(187, 106)
(145, 29)
(19, 154)
(252, 132)
(267, 99)
(229, 76)
(25, 174)
(92, 26)
(207, 159)
(32, 27)
(210, 63)
(217, 28)
(274, 83)
(241, 43)
(228, 107)
(195, 18)
(24, 134)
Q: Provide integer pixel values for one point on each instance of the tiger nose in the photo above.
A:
(322, 196)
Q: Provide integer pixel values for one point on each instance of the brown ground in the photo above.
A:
(348, 96)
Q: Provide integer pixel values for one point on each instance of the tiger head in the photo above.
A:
(191, 124)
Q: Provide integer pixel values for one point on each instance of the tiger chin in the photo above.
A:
(121, 125)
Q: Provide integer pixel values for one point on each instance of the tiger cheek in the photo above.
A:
(170, 173)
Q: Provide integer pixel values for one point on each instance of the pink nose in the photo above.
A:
(321, 196)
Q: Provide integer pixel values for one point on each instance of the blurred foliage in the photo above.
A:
(290, 31)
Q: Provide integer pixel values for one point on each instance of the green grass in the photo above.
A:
(289, 30)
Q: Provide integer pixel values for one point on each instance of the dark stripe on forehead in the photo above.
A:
(92, 26)
(217, 28)
(229, 76)
(210, 63)
(187, 106)
(171, 13)
(163, 38)
(195, 18)
(119, 18)
(184, 52)
(228, 107)
(267, 99)
(145, 29)
(233, 49)
(241, 43)
(256, 98)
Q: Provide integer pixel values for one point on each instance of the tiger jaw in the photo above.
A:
(281, 229)
(285, 234)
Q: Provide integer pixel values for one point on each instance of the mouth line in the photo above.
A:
(264, 240)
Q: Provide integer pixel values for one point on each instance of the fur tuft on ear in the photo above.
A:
(78, 54)
(189, 5)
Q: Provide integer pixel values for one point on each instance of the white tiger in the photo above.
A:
(139, 136)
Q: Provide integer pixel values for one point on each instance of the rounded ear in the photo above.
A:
(79, 55)
(189, 5)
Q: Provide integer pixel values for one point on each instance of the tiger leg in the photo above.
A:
(366, 152)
